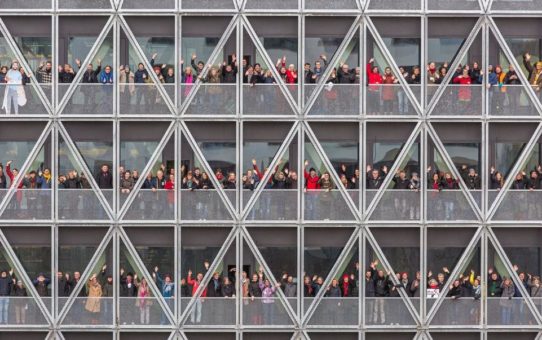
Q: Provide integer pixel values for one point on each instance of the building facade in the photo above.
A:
(379, 178)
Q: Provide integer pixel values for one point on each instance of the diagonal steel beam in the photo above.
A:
(267, 175)
(30, 73)
(460, 55)
(157, 294)
(230, 239)
(393, 65)
(352, 31)
(143, 59)
(102, 247)
(199, 154)
(83, 166)
(347, 249)
(220, 45)
(389, 269)
(510, 56)
(520, 163)
(525, 295)
(332, 173)
(391, 173)
(469, 250)
(23, 276)
(154, 157)
(449, 163)
(269, 274)
(25, 167)
(90, 56)
(247, 26)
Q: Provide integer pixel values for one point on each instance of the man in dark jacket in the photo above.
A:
(41, 283)
(141, 77)
(375, 178)
(229, 71)
(91, 75)
(470, 177)
(381, 284)
(214, 287)
(104, 179)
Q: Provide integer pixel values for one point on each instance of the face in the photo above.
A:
(140, 67)
(15, 66)
(254, 278)
(388, 71)
(374, 173)
(105, 168)
(76, 275)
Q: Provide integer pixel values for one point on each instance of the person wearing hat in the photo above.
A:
(20, 302)
(535, 73)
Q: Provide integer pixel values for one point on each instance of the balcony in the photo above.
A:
(88, 99)
(28, 204)
(151, 205)
(334, 311)
(84, 4)
(23, 311)
(395, 205)
(273, 204)
(141, 311)
(394, 5)
(388, 311)
(203, 205)
(388, 100)
(510, 100)
(462, 311)
(88, 311)
(144, 4)
(510, 312)
(335, 99)
(328, 205)
(26, 4)
(143, 99)
(206, 4)
(515, 5)
(330, 5)
(211, 311)
(518, 205)
(82, 204)
(450, 205)
(33, 105)
(446, 5)
(266, 312)
(267, 99)
(457, 100)
(210, 99)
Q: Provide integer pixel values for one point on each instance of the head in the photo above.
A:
(387, 71)
(498, 69)
(307, 67)
(105, 168)
(15, 65)
(375, 174)
(127, 174)
(140, 67)
(254, 277)
(511, 68)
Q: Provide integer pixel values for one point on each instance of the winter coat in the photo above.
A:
(464, 93)
(93, 300)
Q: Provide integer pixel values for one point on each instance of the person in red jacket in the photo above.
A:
(374, 80)
(388, 90)
(464, 93)
(312, 186)
(195, 316)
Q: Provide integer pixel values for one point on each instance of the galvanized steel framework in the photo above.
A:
(301, 129)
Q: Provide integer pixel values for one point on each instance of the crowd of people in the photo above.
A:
(94, 299)
(384, 96)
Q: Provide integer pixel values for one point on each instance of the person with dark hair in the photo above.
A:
(6, 285)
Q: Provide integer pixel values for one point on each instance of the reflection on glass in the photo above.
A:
(79, 47)
(405, 51)
(506, 155)
(35, 49)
